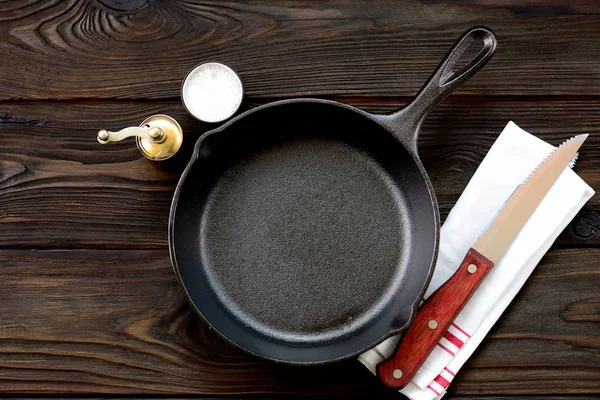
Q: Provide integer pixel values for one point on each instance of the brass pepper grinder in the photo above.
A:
(158, 137)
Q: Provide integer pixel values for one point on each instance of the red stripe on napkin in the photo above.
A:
(453, 339)
(461, 330)
(447, 350)
(443, 382)
(450, 372)
(433, 390)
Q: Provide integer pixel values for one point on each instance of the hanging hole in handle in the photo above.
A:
(475, 47)
(472, 50)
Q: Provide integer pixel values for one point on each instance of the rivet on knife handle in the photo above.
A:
(433, 320)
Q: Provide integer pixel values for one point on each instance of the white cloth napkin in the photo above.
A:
(512, 157)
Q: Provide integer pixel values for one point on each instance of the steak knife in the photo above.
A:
(443, 306)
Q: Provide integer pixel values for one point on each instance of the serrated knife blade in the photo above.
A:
(442, 307)
(507, 224)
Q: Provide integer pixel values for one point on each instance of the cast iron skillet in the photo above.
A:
(305, 231)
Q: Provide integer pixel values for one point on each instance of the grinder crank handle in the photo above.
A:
(151, 134)
(158, 137)
(433, 320)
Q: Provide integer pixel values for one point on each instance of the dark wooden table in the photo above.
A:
(89, 305)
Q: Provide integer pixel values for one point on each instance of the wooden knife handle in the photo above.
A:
(432, 320)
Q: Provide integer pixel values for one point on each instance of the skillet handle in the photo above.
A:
(406, 122)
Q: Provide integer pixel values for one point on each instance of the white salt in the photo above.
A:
(212, 92)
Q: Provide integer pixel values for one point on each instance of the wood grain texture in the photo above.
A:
(113, 49)
(115, 321)
(60, 188)
(96, 310)
(441, 308)
(386, 395)
(553, 397)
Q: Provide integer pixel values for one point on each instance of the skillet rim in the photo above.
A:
(380, 120)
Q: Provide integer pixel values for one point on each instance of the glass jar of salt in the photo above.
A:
(212, 92)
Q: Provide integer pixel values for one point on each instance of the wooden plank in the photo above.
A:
(60, 188)
(558, 397)
(388, 395)
(138, 49)
(115, 322)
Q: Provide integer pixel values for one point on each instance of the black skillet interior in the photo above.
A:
(305, 231)
(308, 239)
